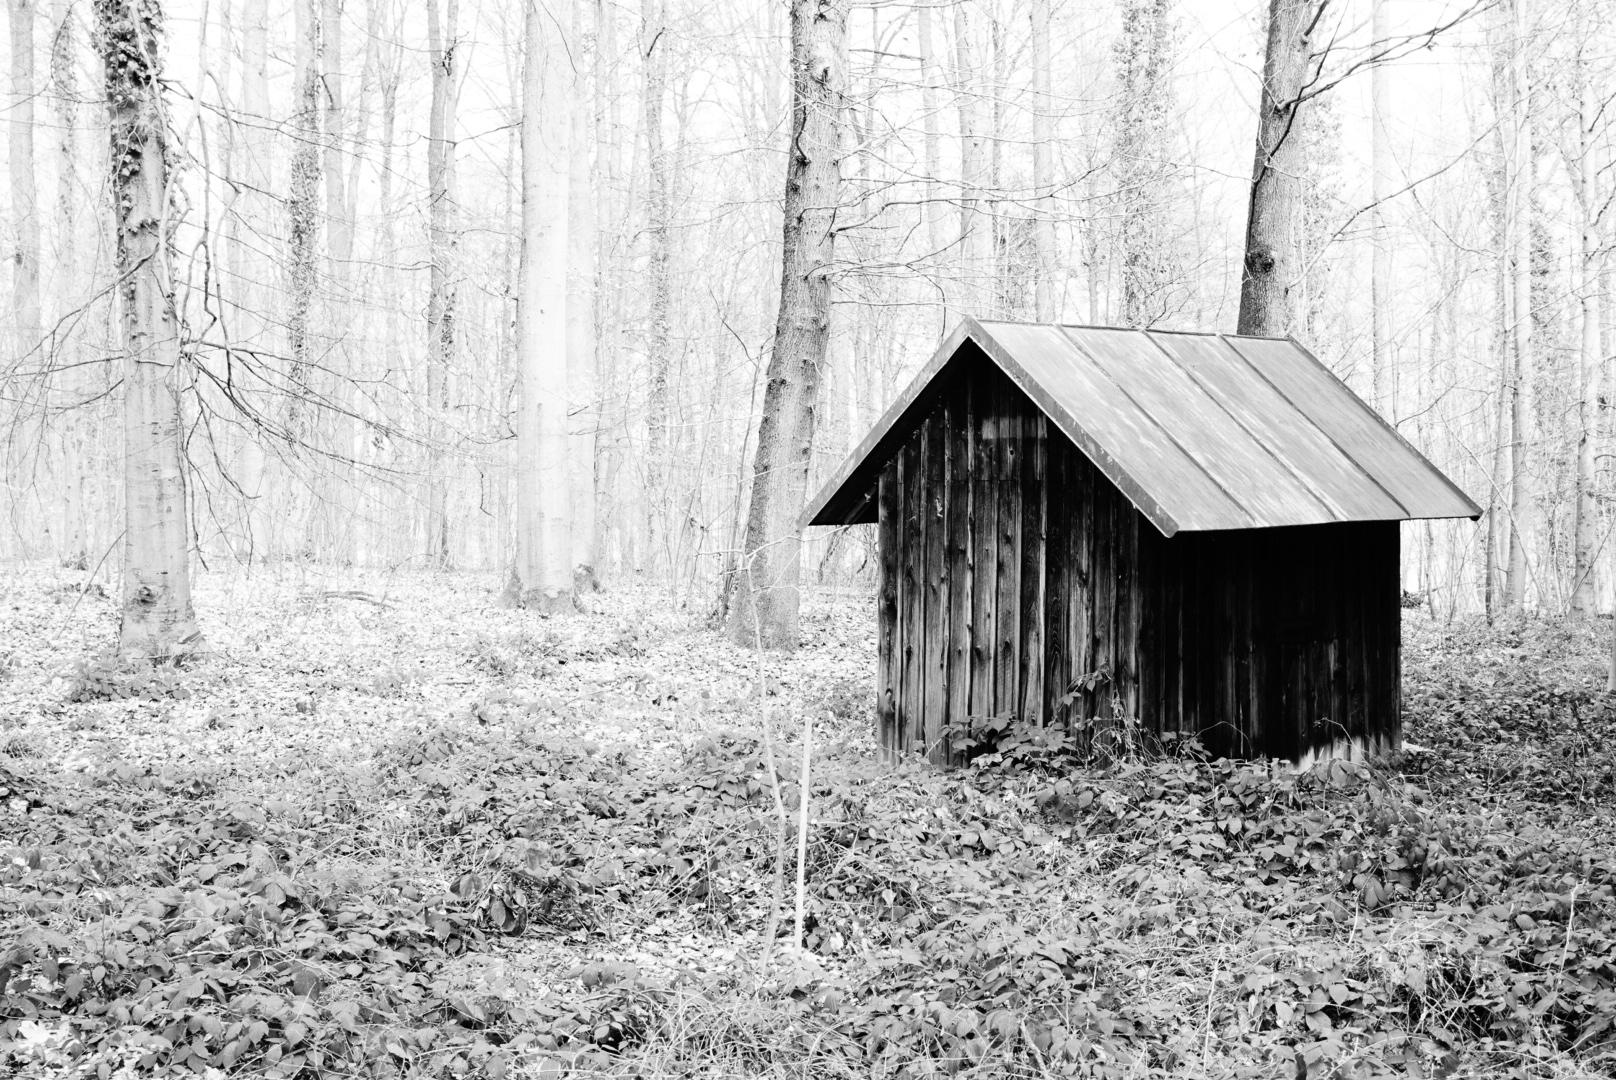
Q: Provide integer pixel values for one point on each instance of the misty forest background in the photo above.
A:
(344, 233)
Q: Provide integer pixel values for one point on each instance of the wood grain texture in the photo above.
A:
(1016, 567)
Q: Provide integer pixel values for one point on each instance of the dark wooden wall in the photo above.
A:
(1010, 567)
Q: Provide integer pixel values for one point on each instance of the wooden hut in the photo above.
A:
(1210, 522)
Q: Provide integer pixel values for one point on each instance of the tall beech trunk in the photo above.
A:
(1520, 221)
(929, 107)
(582, 393)
(157, 620)
(24, 194)
(252, 292)
(975, 229)
(1584, 173)
(303, 208)
(544, 553)
(1270, 270)
(1381, 187)
(767, 599)
(441, 239)
(658, 208)
(1043, 173)
(70, 295)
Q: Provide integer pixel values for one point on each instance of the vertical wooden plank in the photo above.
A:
(935, 650)
(1034, 537)
(1374, 586)
(1007, 606)
(910, 614)
(886, 700)
(1102, 552)
(1334, 599)
(1148, 620)
(1391, 735)
(1356, 602)
(961, 445)
(1173, 635)
(1057, 571)
(984, 546)
(1085, 493)
(1129, 599)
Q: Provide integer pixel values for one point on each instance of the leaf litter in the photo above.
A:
(387, 827)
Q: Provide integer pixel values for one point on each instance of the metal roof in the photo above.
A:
(1199, 431)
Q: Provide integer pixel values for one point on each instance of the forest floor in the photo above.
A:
(386, 826)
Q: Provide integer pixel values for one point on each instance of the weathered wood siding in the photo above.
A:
(1010, 568)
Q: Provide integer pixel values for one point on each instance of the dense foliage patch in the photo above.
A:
(523, 882)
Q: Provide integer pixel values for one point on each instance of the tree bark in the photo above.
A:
(582, 393)
(1266, 308)
(1381, 187)
(1520, 222)
(157, 619)
(1584, 173)
(441, 299)
(658, 208)
(69, 293)
(975, 233)
(767, 600)
(934, 162)
(544, 553)
(1043, 137)
(303, 206)
(24, 194)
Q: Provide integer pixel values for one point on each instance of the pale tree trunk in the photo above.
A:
(1139, 155)
(440, 312)
(252, 286)
(70, 296)
(767, 601)
(303, 207)
(1043, 173)
(975, 233)
(543, 502)
(1520, 223)
(335, 509)
(24, 196)
(1266, 307)
(157, 620)
(929, 107)
(1380, 276)
(654, 51)
(1584, 172)
(582, 392)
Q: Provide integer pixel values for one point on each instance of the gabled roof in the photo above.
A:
(1199, 431)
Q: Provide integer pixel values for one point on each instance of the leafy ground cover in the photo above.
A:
(389, 828)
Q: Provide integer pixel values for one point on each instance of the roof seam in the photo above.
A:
(1304, 414)
(1391, 429)
(1307, 486)
(1256, 522)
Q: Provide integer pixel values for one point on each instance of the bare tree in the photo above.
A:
(582, 388)
(1265, 301)
(442, 226)
(20, 162)
(1380, 94)
(654, 46)
(544, 552)
(767, 601)
(157, 620)
(1042, 167)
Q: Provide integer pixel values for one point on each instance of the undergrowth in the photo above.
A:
(466, 900)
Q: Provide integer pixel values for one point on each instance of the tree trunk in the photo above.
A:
(934, 162)
(582, 393)
(24, 195)
(1140, 131)
(767, 600)
(975, 233)
(1043, 137)
(1269, 272)
(1520, 221)
(544, 554)
(157, 620)
(252, 293)
(1380, 287)
(1584, 173)
(440, 311)
(654, 51)
(303, 206)
(69, 293)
